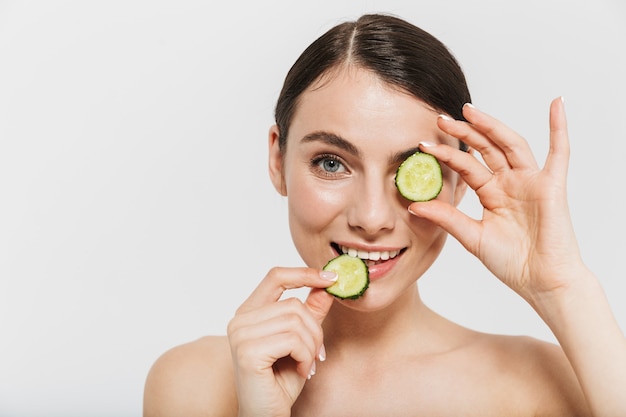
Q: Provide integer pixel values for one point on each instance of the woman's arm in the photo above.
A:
(526, 238)
(583, 323)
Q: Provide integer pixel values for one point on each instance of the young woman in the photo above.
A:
(357, 102)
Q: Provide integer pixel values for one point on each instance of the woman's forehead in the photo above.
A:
(355, 103)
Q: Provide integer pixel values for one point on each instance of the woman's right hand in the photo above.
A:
(275, 342)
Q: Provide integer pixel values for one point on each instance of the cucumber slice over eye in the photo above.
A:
(419, 177)
(353, 277)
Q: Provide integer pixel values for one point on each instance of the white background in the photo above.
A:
(136, 212)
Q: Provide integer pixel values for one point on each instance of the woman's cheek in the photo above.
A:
(313, 206)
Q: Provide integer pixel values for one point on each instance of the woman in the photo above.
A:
(360, 99)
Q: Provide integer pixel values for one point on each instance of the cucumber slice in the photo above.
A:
(419, 177)
(353, 277)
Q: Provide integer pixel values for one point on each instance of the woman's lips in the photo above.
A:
(379, 262)
(380, 269)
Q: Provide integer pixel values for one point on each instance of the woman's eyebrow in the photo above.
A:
(399, 157)
(331, 139)
(339, 142)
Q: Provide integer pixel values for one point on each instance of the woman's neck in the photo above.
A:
(405, 322)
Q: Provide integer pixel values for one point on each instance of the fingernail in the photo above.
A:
(445, 117)
(427, 144)
(414, 213)
(322, 354)
(470, 105)
(312, 372)
(328, 275)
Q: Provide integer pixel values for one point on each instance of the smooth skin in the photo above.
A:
(387, 353)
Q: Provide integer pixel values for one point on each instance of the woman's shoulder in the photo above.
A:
(521, 357)
(537, 370)
(194, 378)
(202, 356)
(507, 346)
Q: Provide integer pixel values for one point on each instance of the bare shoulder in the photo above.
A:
(193, 379)
(540, 371)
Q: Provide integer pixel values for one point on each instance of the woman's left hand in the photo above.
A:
(525, 236)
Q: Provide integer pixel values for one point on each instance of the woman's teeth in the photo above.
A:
(372, 256)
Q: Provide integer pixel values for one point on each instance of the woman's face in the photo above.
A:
(348, 136)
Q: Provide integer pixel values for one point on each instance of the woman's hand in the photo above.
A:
(525, 236)
(275, 342)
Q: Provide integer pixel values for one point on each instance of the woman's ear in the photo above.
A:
(276, 161)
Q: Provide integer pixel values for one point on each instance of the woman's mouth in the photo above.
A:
(371, 258)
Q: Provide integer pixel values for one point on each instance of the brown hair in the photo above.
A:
(400, 53)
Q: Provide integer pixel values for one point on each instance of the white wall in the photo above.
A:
(125, 226)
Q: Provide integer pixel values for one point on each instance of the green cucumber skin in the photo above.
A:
(404, 194)
(352, 296)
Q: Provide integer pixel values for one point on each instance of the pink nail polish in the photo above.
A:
(322, 354)
(328, 275)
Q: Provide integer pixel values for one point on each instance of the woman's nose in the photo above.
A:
(372, 209)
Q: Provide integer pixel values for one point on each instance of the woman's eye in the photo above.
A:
(329, 164)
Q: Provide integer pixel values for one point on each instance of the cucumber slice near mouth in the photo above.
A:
(419, 177)
(353, 277)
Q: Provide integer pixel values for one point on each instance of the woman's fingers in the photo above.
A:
(514, 147)
(491, 154)
(557, 161)
(278, 280)
(318, 303)
(460, 226)
(471, 170)
(277, 331)
(260, 354)
(286, 314)
(500, 147)
(525, 211)
(290, 313)
(267, 328)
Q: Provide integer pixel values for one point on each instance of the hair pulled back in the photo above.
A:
(398, 52)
